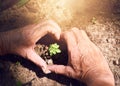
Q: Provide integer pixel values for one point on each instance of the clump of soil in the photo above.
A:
(42, 51)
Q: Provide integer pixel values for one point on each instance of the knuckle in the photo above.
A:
(83, 32)
(50, 21)
(68, 71)
(66, 34)
(75, 29)
(56, 70)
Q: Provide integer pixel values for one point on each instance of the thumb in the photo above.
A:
(35, 58)
(61, 69)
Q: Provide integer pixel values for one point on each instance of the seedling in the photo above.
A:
(54, 49)
(94, 20)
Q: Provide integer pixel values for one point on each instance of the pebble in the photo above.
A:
(50, 61)
(116, 62)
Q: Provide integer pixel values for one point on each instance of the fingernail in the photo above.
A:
(57, 36)
(45, 70)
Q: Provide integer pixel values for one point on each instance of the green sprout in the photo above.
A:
(94, 20)
(54, 49)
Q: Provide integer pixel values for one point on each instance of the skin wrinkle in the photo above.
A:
(97, 76)
(80, 70)
(84, 59)
(85, 68)
(69, 71)
(97, 71)
(86, 62)
(94, 70)
(88, 79)
(74, 66)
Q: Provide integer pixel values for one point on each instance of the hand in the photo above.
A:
(86, 62)
(22, 41)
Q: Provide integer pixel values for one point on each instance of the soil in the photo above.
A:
(43, 52)
(99, 18)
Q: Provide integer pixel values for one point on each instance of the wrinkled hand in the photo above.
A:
(86, 62)
(22, 41)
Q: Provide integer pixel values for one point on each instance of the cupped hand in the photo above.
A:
(22, 41)
(85, 62)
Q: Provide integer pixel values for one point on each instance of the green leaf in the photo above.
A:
(58, 51)
(54, 52)
(55, 45)
(54, 49)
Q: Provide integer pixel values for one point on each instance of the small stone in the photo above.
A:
(116, 62)
(46, 54)
(46, 47)
(50, 61)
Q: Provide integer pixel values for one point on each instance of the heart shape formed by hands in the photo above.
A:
(85, 60)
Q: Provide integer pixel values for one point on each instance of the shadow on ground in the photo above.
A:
(8, 78)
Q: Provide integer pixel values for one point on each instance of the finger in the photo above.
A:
(70, 39)
(47, 27)
(80, 34)
(55, 31)
(35, 58)
(61, 69)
